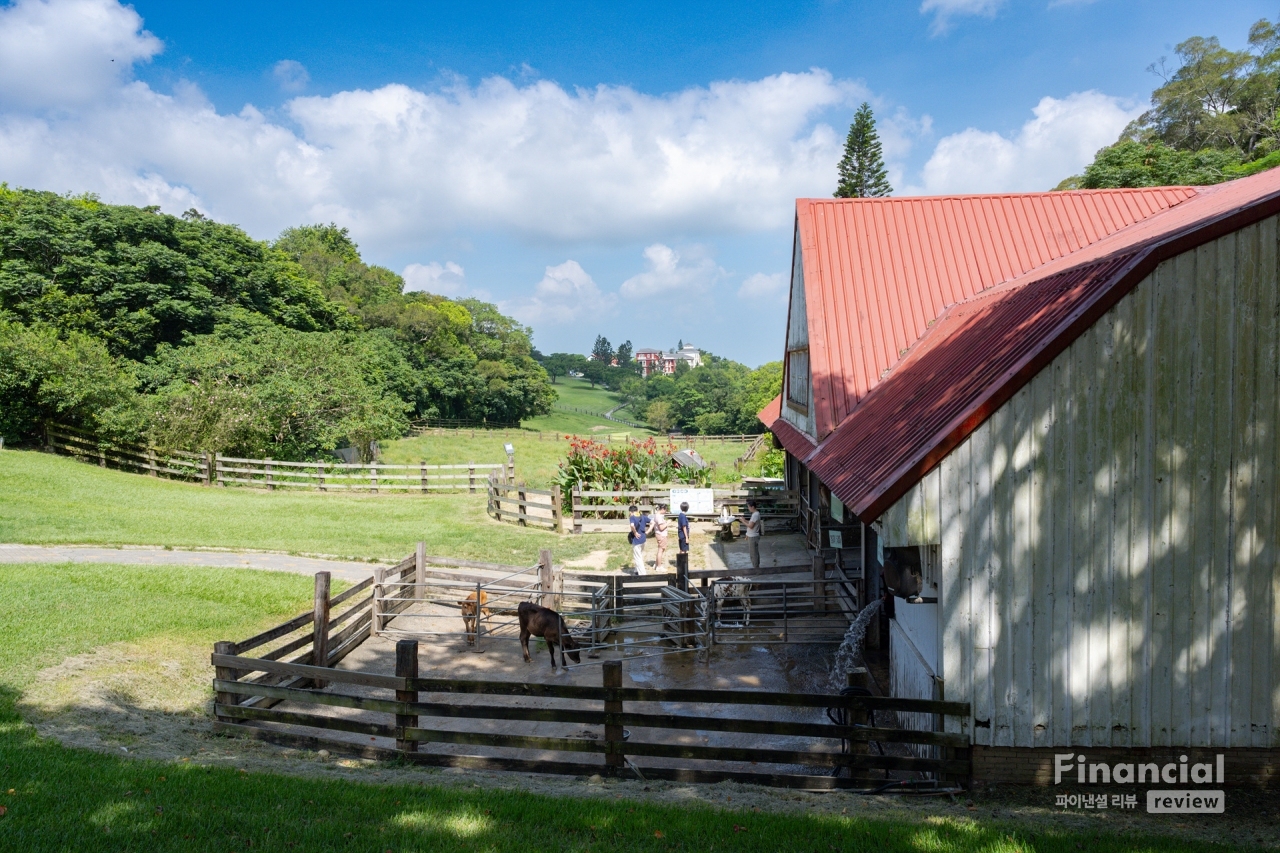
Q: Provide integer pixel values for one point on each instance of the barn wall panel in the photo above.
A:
(1109, 570)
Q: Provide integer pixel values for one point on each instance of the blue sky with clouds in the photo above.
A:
(626, 170)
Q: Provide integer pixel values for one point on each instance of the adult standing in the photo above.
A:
(754, 528)
(659, 528)
(636, 537)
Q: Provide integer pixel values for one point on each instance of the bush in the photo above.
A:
(628, 467)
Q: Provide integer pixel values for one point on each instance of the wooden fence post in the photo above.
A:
(102, 457)
(152, 468)
(522, 508)
(320, 642)
(419, 569)
(576, 501)
(225, 673)
(375, 606)
(423, 470)
(471, 477)
(557, 509)
(373, 478)
(208, 468)
(819, 582)
(266, 466)
(682, 571)
(511, 467)
(406, 667)
(613, 733)
(217, 464)
(320, 476)
(546, 580)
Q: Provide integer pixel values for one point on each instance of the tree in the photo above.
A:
(861, 170)
(623, 355)
(1154, 164)
(658, 416)
(602, 351)
(557, 364)
(594, 372)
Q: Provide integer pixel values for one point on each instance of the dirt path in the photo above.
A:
(155, 556)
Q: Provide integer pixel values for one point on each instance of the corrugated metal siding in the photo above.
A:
(1109, 535)
(879, 271)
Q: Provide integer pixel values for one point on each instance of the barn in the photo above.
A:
(1056, 415)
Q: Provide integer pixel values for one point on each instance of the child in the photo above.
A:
(682, 528)
(636, 537)
(659, 528)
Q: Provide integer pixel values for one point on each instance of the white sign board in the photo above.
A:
(837, 538)
(701, 501)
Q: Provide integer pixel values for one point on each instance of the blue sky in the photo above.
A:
(625, 170)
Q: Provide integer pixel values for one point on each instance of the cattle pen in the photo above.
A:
(676, 682)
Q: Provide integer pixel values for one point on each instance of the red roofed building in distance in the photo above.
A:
(1051, 421)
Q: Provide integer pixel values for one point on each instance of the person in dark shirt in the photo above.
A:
(682, 528)
(636, 536)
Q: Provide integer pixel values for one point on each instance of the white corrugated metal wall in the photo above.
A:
(797, 338)
(1109, 535)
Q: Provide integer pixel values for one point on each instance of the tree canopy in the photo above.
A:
(861, 170)
(1214, 117)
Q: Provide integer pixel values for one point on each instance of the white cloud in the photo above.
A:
(401, 166)
(63, 53)
(764, 286)
(290, 75)
(666, 273)
(1059, 141)
(448, 279)
(945, 10)
(566, 294)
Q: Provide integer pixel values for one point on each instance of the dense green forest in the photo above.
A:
(1215, 117)
(189, 333)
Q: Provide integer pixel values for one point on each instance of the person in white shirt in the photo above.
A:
(754, 528)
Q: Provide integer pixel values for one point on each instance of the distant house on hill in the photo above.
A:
(654, 360)
(1056, 419)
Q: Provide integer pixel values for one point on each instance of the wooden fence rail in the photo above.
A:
(594, 509)
(518, 503)
(216, 469)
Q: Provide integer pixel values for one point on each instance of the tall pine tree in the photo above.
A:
(862, 173)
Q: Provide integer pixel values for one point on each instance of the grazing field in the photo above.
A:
(56, 799)
(48, 499)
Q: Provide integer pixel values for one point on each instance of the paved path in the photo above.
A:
(140, 556)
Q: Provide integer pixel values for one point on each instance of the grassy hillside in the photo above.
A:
(48, 499)
(578, 394)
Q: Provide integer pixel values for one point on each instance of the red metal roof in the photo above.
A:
(982, 350)
(878, 272)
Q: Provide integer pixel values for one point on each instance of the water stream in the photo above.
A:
(849, 655)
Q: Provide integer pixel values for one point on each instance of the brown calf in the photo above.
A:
(469, 614)
(544, 622)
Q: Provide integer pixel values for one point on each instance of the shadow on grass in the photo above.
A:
(57, 798)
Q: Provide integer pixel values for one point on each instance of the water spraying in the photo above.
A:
(849, 654)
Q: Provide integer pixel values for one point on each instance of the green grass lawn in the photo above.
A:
(48, 499)
(60, 799)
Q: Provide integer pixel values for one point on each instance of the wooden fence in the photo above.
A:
(216, 469)
(601, 511)
(762, 441)
(397, 716)
(516, 502)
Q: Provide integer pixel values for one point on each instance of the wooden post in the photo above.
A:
(208, 468)
(682, 571)
(266, 464)
(217, 464)
(320, 476)
(375, 607)
(423, 470)
(102, 457)
(225, 673)
(151, 462)
(406, 667)
(373, 477)
(547, 581)
(576, 498)
(819, 583)
(419, 570)
(320, 643)
(471, 475)
(557, 510)
(511, 467)
(613, 757)
(522, 507)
